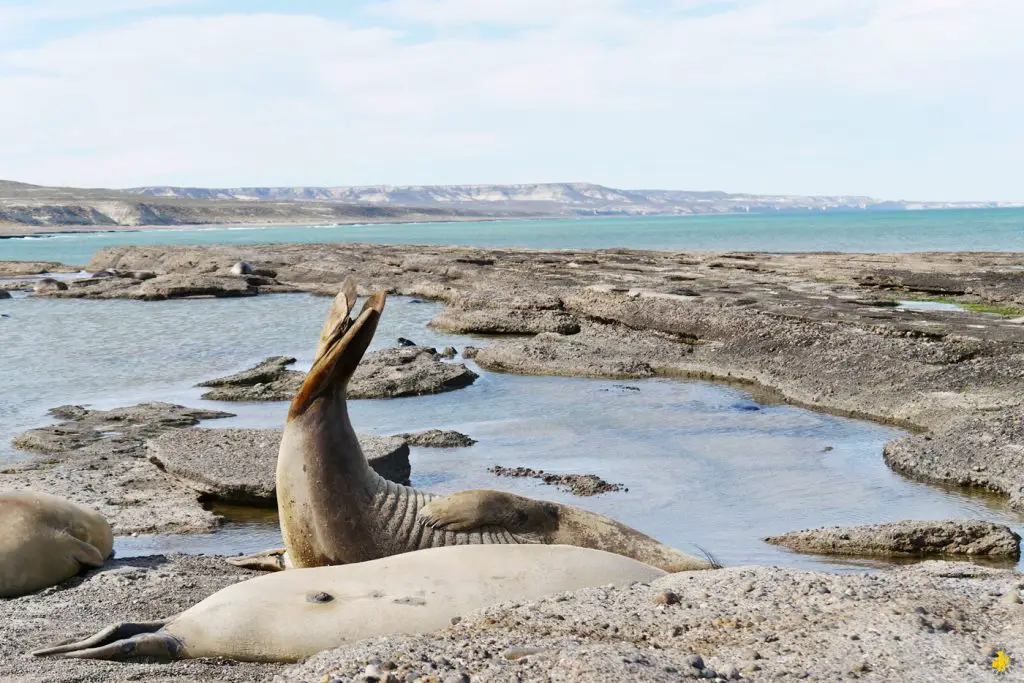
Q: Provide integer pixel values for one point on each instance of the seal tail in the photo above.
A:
(121, 641)
(343, 342)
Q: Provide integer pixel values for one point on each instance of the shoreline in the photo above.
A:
(28, 231)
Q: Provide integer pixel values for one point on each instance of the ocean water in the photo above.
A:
(706, 466)
(876, 231)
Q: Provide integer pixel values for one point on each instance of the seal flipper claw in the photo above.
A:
(121, 641)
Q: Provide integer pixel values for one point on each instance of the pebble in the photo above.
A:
(696, 661)
(666, 598)
(514, 653)
(1011, 598)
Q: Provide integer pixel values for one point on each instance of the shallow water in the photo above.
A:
(925, 306)
(867, 231)
(703, 467)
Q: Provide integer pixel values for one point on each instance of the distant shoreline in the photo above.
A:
(17, 230)
(20, 230)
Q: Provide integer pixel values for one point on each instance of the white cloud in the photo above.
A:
(20, 14)
(562, 90)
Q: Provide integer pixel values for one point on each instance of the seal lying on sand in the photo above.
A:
(335, 509)
(45, 540)
(292, 615)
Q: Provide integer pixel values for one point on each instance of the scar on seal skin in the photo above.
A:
(334, 509)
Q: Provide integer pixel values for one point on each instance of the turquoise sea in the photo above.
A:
(870, 231)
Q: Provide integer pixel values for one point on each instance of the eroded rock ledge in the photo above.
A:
(576, 484)
(385, 373)
(148, 470)
(240, 465)
(917, 538)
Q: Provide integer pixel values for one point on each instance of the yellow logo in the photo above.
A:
(1001, 661)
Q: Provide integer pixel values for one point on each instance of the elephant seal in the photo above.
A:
(292, 615)
(334, 509)
(45, 540)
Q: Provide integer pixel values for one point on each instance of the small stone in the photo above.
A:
(860, 666)
(730, 671)
(1011, 598)
(696, 661)
(449, 352)
(402, 341)
(666, 598)
(470, 352)
(457, 677)
(708, 672)
(241, 268)
(49, 284)
(518, 652)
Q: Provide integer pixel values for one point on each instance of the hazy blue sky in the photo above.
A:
(916, 99)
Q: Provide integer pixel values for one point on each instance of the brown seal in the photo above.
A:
(45, 540)
(335, 509)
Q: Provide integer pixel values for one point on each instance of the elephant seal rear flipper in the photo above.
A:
(126, 640)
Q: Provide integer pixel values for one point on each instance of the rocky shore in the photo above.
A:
(935, 621)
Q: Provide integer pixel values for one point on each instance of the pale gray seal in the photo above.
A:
(292, 615)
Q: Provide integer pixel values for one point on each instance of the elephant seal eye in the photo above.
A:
(319, 597)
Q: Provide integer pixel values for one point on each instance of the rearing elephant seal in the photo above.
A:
(45, 540)
(335, 509)
(292, 615)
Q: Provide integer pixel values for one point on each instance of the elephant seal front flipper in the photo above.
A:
(266, 561)
(538, 521)
(478, 508)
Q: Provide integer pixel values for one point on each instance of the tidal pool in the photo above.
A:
(705, 465)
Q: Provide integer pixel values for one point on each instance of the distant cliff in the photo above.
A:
(23, 204)
(555, 198)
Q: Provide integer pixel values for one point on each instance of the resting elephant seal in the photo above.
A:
(335, 509)
(292, 615)
(45, 540)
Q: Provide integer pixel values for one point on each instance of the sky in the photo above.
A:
(899, 99)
